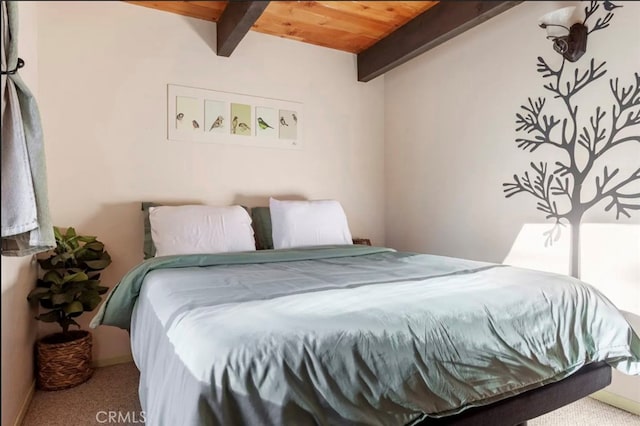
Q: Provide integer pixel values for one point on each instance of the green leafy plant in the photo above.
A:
(71, 281)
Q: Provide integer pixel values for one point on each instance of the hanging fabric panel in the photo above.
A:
(26, 221)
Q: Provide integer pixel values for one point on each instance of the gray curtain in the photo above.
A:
(26, 222)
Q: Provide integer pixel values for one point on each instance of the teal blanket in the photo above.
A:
(353, 335)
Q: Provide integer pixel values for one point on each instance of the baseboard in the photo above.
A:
(618, 401)
(25, 404)
(112, 361)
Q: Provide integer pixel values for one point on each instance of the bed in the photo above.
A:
(362, 335)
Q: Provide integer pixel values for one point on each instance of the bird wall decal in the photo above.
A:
(609, 6)
(244, 127)
(283, 122)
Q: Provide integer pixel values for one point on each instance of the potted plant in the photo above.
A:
(70, 286)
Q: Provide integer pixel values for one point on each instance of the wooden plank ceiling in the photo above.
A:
(383, 34)
(351, 26)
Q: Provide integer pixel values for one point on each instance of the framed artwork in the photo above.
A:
(241, 121)
(216, 118)
(266, 122)
(188, 114)
(288, 124)
(209, 116)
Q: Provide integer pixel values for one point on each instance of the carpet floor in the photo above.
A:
(115, 389)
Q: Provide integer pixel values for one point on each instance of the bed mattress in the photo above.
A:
(336, 335)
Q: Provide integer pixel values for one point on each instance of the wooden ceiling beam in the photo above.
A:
(436, 25)
(235, 22)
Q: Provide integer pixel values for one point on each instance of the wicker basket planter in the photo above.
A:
(63, 363)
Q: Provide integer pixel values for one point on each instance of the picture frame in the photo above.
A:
(210, 116)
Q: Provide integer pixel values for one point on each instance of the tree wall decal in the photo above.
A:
(559, 189)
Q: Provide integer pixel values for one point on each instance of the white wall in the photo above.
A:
(18, 333)
(19, 273)
(104, 70)
(450, 144)
(448, 124)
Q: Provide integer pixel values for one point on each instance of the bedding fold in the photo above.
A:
(117, 308)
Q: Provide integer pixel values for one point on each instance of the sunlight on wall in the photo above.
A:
(611, 262)
(528, 250)
(610, 258)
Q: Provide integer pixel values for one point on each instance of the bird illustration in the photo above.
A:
(180, 116)
(244, 127)
(234, 124)
(283, 122)
(609, 6)
(295, 118)
(217, 123)
(195, 124)
(263, 124)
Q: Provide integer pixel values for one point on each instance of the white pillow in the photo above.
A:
(200, 229)
(308, 223)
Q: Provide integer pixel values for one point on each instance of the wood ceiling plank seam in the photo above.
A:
(180, 8)
(373, 14)
(214, 5)
(307, 36)
(382, 10)
(309, 18)
(359, 21)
